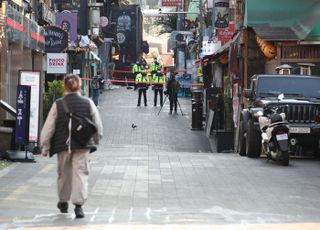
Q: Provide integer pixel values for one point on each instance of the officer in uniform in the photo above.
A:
(136, 69)
(142, 85)
(158, 82)
(155, 66)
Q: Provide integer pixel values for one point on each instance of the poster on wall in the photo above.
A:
(32, 79)
(221, 8)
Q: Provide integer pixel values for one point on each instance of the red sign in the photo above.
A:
(171, 2)
(225, 35)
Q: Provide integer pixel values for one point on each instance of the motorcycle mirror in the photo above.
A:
(280, 97)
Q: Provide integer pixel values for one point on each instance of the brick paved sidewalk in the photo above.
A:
(162, 175)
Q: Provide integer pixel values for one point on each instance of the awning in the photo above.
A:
(226, 46)
(95, 56)
(275, 20)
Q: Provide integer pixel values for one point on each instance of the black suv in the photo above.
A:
(301, 104)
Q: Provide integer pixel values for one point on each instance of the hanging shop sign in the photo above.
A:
(68, 21)
(171, 2)
(22, 116)
(56, 63)
(221, 8)
(56, 39)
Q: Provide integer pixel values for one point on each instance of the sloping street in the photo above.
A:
(163, 175)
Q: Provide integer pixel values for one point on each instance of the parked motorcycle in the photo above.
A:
(274, 134)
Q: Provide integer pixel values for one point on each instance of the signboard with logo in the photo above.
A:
(221, 8)
(22, 116)
(32, 79)
(171, 2)
(56, 39)
(225, 35)
(56, 63)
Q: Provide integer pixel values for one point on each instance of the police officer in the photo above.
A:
(158, 82)
(136, 68)
(142, 85)
(173, 87)
(155, 66)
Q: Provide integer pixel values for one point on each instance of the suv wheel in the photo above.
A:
(253, 141)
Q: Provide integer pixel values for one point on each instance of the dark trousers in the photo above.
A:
(144, 92)
(173, 101)
(95, 96)
(156, 91)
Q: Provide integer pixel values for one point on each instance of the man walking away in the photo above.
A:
(97, 84)
(173, 87)
(158, 81)
(73, 157)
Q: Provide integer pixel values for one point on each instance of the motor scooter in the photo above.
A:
(274, 134)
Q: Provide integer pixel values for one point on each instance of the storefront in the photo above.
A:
(21, 47)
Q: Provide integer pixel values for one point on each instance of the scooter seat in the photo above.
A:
(279, 123)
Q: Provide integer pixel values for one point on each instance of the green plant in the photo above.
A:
(55, 91)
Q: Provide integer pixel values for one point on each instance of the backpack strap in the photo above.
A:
(66, 109)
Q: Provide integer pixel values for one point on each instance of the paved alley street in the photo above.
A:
(163, 175)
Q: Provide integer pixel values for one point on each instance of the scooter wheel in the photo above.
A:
(284, 159)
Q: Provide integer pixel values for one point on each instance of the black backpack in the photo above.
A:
(82, 128)
(95, 83)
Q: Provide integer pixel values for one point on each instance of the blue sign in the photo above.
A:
(23, 114)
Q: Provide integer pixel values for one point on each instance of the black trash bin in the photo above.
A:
(197, 108)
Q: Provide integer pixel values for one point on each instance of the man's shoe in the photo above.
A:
(145, 105)
(63, 207)
(78, 211)
(170, 113)
(138, 105)
(175, 113)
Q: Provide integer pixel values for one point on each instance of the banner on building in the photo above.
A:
(171, 2)
(32, 79)
(68, 22)
(57, 63)
(22, 116)
(221, 13)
